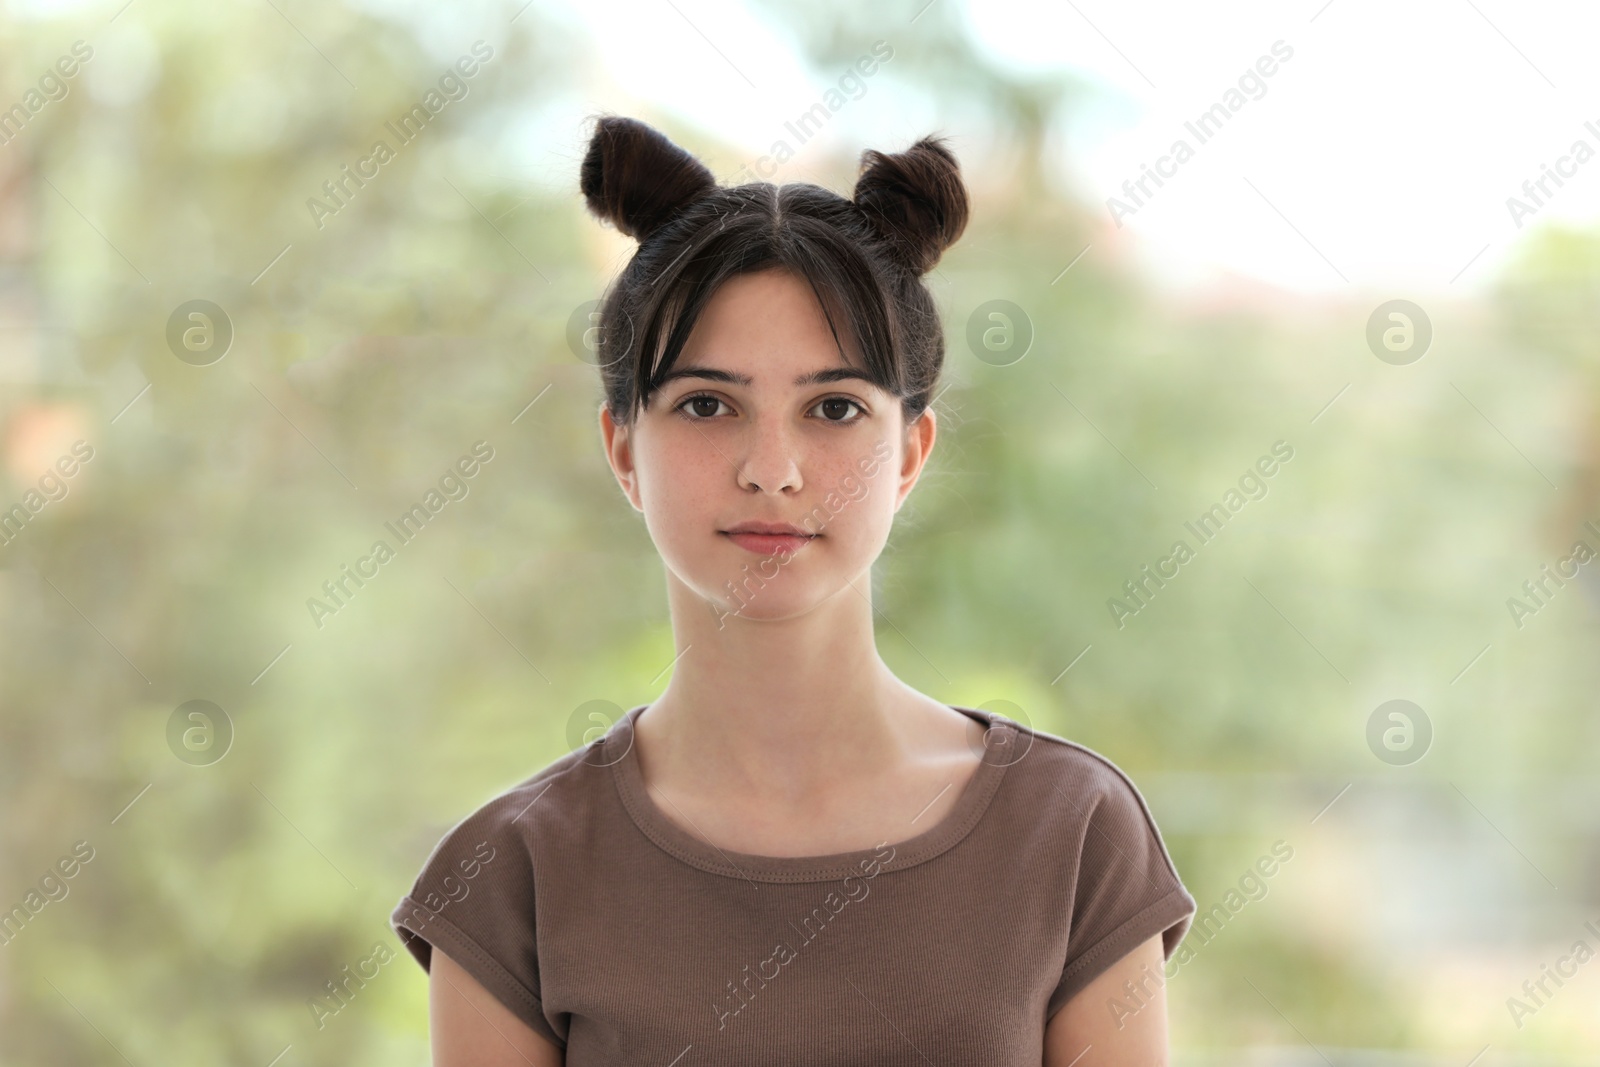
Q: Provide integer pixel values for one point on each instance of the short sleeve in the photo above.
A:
(474, 900)
(1126, 890)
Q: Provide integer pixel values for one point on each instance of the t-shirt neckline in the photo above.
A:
(999, 741)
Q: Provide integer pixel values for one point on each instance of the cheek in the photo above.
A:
(860, 508)
(678, 482)
(684, 489)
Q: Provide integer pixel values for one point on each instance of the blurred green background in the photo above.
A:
(433, 310)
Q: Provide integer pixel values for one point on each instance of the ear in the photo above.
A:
(917, 445)
(618, 444)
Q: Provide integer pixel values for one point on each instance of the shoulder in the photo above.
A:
(559, 792)
(1075, 789)
(490, 855)
(509, 828)
(1069, 767)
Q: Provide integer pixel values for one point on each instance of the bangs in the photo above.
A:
(746, 230)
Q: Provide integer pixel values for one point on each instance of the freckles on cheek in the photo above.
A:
(681, 476)
(856, 504)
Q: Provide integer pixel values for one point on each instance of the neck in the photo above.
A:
(781, 706)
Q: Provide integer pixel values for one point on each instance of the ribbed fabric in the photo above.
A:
(626, 940)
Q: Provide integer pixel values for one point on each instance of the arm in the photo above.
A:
(472, 1029)
(1086, 1027)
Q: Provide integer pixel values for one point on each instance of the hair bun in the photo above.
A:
(635, 177)
(915, 198)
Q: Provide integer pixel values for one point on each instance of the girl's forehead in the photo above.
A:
(770, 375)
(769, 320)
(763, 293)
(784, 366)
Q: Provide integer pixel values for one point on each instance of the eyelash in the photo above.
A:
(686, 401)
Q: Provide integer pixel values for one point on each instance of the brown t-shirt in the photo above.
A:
(627, 940)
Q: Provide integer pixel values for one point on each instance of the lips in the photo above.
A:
(769, 538)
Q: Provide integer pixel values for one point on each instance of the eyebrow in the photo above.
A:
(831, 374)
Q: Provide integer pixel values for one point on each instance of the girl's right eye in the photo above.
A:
(703, 405)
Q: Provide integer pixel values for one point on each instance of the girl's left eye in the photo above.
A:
(841, 400)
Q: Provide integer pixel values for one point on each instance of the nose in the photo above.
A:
(770, 462)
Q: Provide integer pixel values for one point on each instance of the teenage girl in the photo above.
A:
(790, 856)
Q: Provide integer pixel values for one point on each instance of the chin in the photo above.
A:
(758, 610)
(774, 602)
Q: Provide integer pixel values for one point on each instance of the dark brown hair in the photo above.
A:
(863, 257)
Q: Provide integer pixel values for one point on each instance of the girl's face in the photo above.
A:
(761, 423)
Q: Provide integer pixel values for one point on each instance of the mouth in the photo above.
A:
(769, 539)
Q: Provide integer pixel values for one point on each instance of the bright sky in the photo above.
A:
(1381, 155)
